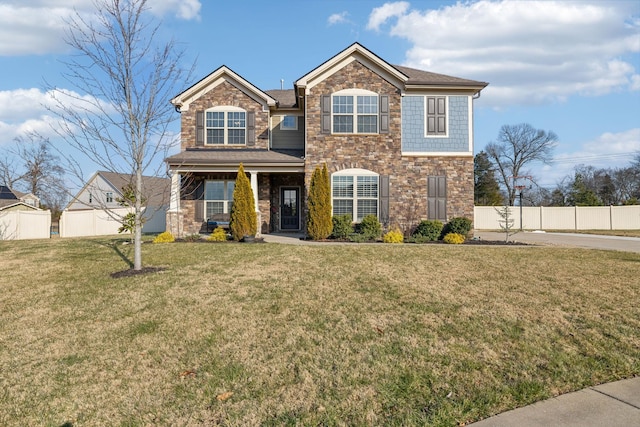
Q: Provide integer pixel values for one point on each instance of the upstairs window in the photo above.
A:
(289, 123)
(109, 197)
(354, 111)
(436, 115)
(225, 126)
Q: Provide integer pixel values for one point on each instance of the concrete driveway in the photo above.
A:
(591, 241)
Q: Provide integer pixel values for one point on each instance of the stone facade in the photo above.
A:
(225, 94)
(382, 153)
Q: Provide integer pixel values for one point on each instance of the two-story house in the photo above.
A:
(398, 143)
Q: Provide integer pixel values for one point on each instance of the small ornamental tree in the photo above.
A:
(243, 221)
(319, 223)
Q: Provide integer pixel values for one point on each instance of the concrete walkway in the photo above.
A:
(591, 241)
(612, 404)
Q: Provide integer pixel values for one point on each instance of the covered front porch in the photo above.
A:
(203, 182)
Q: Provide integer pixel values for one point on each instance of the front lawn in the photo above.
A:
(267, 334)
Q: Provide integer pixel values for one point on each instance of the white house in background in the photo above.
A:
(85, 216)
(12, 200)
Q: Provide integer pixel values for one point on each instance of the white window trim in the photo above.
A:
(225, 202)
(225, 109)
(355, 173)
(295, 122)
(446, 108)
(355, 93)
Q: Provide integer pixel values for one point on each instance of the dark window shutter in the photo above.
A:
(199, 211)
(251, 128)
(199, 128)
(384, 199)
(436, 115)
(325, 114)
(437, 198)
(384, 113)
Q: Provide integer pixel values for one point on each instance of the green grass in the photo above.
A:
(306, 335)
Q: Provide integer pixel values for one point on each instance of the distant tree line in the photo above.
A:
(502, 165)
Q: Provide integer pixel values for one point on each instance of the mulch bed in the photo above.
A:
(131, 272)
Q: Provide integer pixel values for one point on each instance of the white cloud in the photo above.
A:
(530, 52)
(609, 150)
(28, 110)
(338, 18)
(35, 27)
(382, 14)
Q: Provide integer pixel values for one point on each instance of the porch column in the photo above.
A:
(254, 188)
(174, 200)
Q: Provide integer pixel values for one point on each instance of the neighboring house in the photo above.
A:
(105, 189)
(11, 200)
(398, 143)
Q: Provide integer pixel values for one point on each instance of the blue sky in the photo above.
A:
(572, 67)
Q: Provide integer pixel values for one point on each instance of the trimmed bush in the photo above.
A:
(393, 236)
(243, 221)
(459, 225)
(164, 237)
(370, 227)
(218, 235)
(319, 224)
(453, 238)
(429, 230)
(342, 226)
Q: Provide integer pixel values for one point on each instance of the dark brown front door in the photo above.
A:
(289, 208)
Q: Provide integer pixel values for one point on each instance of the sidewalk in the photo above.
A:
(612, 404)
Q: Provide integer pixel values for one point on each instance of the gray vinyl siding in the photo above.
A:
(287, 139)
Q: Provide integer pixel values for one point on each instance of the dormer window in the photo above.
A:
(225, 126)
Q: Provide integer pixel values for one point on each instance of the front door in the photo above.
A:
(289, 208)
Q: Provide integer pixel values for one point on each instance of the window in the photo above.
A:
(355, 111)
(289, 123)
(436, 115)
(90, 198)
(218, 197)
(109, 197)
(355, 192)
(225, 127)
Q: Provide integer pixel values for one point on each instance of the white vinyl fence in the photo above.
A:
(561, 218)
(20, 225)
(96, 222)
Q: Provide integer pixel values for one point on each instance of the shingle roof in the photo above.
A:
(285, 97)
(154, 189)
(421, 77)
(7, 194)
(200, 156)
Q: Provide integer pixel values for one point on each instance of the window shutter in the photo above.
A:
(251, 128)
(199, 211)
(384, 113)
(199, 128)
(384, 199)
(437, 198)
(325, 114)
(441, 116)
(436, 115)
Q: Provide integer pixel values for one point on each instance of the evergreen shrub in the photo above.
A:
(393, 236)
(243, 221)
(453, 238)
(342, 226)
(319, 223)
(370, 227)
(459, 225)
(165, 237)
(218, 235)
(430, 230)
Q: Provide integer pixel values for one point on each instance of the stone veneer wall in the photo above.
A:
(382, 153)
(224, 94)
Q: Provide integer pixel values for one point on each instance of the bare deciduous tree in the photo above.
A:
(118, 113)
(31, 166)
(515, 148)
